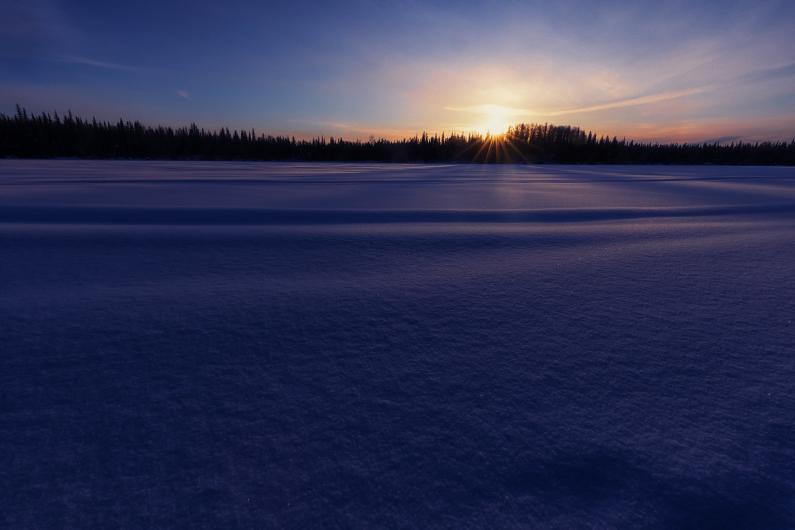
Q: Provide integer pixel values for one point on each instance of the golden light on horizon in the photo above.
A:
(495, 120)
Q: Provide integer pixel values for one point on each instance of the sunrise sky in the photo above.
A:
(648, 69)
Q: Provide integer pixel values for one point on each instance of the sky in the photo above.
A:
(651, 70)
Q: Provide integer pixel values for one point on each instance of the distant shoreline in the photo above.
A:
(388, 162)
(52, 136)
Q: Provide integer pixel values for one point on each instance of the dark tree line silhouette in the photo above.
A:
(44, 135)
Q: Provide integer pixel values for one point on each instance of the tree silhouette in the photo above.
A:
(26, 135)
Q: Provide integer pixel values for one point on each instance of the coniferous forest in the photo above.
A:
(45, 135)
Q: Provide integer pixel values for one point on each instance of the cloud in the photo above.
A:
(632, 102)
(756, 76)
(86, 61)
(184, 94)
(625, 102)
(778, 72)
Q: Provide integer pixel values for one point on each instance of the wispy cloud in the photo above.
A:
(765, 74)
(625, 102)
(184, 94)
(87, 61)
(755, 76)
(632, 102)
(778, 72)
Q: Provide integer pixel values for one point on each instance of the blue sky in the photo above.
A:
(652, 70)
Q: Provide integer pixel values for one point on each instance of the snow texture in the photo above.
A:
(255, 345)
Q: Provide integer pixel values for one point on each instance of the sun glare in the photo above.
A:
(495, 120)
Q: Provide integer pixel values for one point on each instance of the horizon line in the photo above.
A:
(405, 136)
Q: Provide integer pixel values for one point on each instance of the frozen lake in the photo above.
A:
(360, 345)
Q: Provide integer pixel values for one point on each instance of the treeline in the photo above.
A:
(45, 135)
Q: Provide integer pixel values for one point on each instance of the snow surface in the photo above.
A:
(352, 345)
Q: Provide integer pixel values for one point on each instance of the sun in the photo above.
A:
(495, 120)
